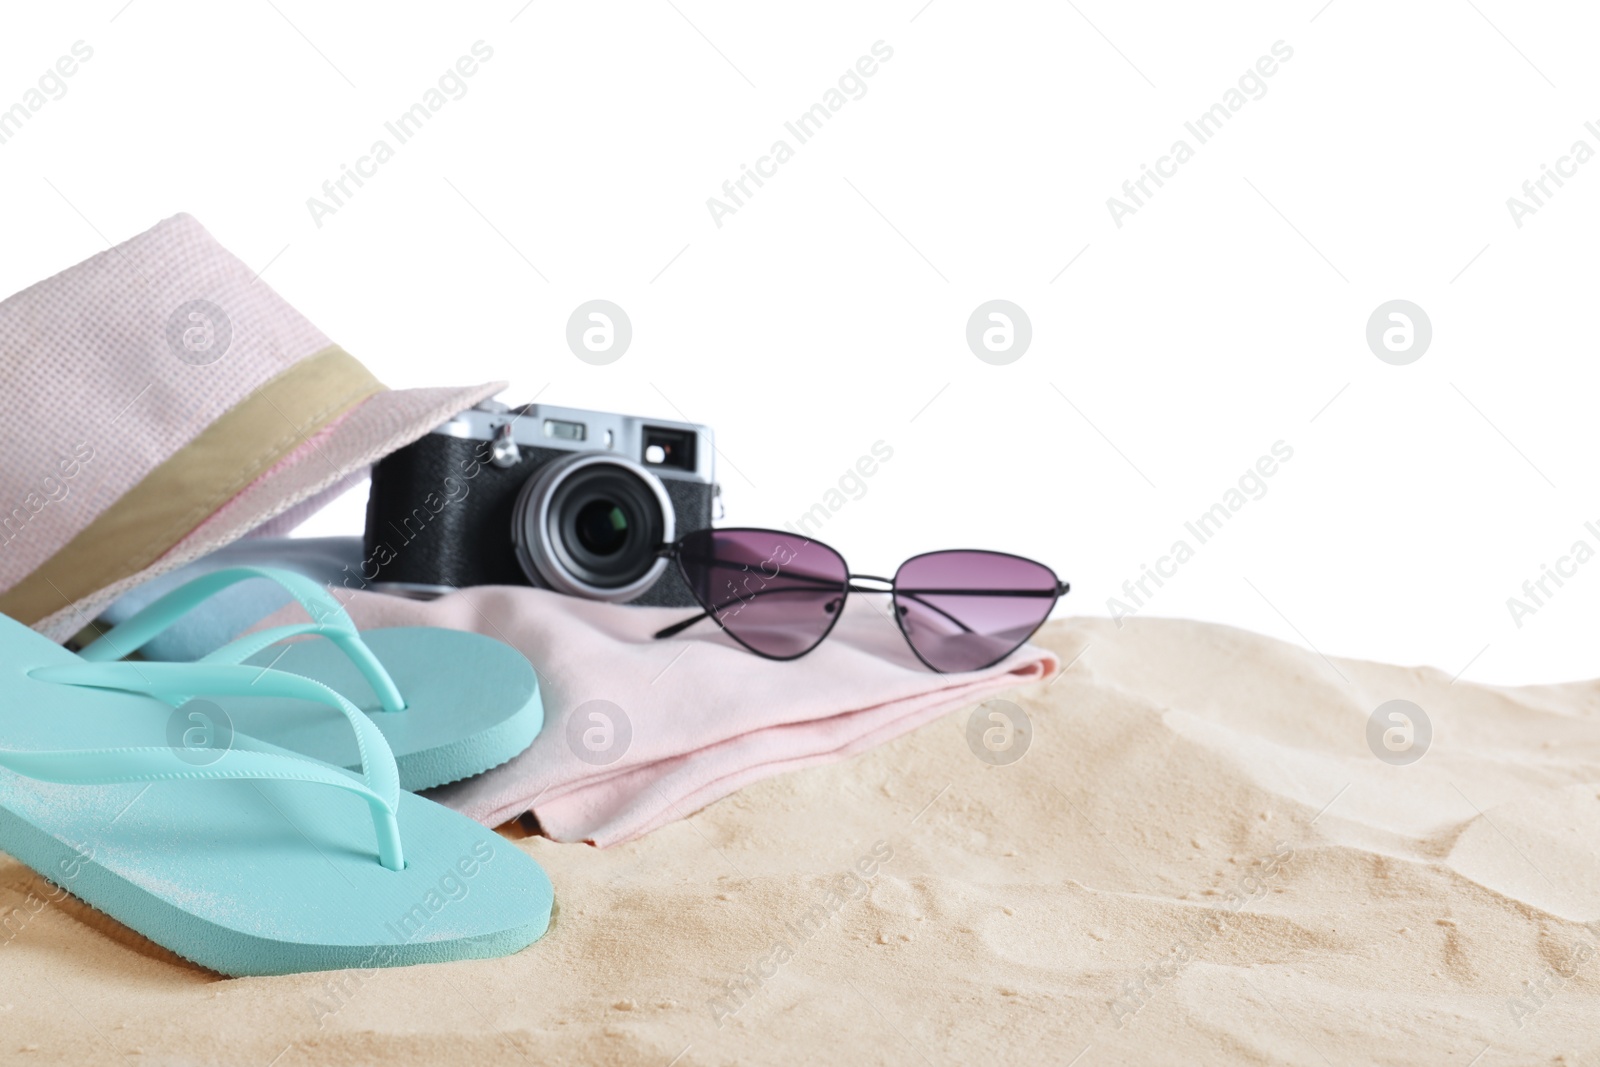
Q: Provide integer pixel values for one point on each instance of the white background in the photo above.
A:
(829, 312)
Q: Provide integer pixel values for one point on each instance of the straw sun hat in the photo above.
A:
(161, 401)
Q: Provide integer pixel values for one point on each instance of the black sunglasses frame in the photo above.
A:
(674, 552)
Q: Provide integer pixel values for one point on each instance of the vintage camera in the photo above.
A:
(570, 500)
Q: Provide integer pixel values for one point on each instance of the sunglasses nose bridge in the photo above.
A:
(885, 585)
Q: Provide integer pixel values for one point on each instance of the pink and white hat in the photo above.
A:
(162, 401)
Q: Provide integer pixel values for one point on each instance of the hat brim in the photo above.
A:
(374, 428)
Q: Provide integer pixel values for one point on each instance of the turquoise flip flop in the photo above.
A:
(451, 704)
(232, 852)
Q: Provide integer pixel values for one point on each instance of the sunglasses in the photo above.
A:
(779, 594)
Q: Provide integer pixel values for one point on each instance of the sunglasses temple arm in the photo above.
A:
(1061, 589)
(935, 608)
(678, 627)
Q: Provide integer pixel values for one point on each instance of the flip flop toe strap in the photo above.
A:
(348, 641)
(176, 682)
(329, 620)
(117, 766)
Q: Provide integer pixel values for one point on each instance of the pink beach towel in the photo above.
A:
(639, 732)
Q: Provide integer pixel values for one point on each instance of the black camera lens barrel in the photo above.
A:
(604, 526)
(589, 525)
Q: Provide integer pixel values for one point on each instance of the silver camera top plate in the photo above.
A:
(666, 448)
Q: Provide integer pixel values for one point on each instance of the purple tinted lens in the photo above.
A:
(963, 611)
(776, 593)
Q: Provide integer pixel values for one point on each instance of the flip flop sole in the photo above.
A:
(249, 877)
(472, 703)
(256, 891)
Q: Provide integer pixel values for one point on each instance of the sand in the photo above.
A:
(1198, 860)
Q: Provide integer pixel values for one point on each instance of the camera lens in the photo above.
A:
(604, 524)
(589, 525)
(602, 527)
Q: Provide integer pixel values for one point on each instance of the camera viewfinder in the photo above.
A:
(665, 447)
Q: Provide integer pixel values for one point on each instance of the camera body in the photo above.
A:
(561, 498)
